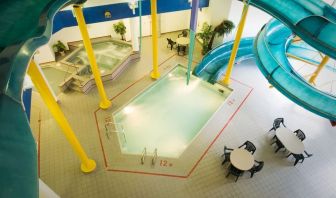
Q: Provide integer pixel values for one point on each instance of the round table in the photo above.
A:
(183, 41)
(241, 159)
(290, 141)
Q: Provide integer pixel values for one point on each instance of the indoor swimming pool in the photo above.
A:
(55, 77)
(109, 54)
(168, 115)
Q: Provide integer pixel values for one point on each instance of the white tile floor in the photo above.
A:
(279, 178)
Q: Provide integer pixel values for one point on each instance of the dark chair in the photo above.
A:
(171, 43)
(249, 146)
(184, 34)
(256, 168)
(278, 144)
(234, 171)
(226, 154)
(276, 124)
(300, 134)
(181, 49)
(299, 157)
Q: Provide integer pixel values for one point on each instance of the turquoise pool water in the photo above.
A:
(55, 77)
(108, 54)
(168, 115)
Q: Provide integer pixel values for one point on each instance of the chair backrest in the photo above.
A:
(184, 33)
(249, 146)
(277, 122)
(170, 41)
(227, 149)
(298, 156)
(259, 166)
(233, 170)
(300, 134)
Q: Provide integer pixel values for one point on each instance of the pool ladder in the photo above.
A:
(144, 154)
(107, 131)
(155, 156)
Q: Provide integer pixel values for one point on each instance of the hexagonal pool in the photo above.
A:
(168, 115)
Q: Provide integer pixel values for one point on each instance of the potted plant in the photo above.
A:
(59, 47)
(225, 27)
(205, 35)
(120, 28)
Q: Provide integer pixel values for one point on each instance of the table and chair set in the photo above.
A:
(241, 159)
(290, 141)
(181, 43)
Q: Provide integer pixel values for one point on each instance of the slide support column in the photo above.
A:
(87, 165)
(104, 102)
(155, 72)
(239, 33)
(319, 69)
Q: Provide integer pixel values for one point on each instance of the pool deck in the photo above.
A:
(59, 166)
(115, 160)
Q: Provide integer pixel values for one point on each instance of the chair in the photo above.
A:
(276, 124)
(299, 157)
(278, 144)
(181, 48)
(184, 34)
(256, 168)
(300, 134)
(226, 154)
(171, 43)
(249, 146)
(234, 171)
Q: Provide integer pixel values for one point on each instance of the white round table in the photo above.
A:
(182, 41)
(241, 159)
(290, 141)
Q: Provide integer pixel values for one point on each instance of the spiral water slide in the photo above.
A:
(25, 26)
(313, 21)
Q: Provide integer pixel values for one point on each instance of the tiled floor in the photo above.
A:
(59, 166)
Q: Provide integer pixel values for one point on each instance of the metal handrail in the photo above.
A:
(143, 156)
(155, 156)
(107, 131)
(112, 123)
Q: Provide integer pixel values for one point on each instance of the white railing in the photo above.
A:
(155, 156)
(108, 132)
(143, 156)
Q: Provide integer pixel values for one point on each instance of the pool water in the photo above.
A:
(55, 77)
(108, 54)
(168, 115)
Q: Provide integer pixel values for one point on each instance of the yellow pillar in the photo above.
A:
(240, 29)
(104, 102)
(319, 69)
(87, 165)
(155, 72)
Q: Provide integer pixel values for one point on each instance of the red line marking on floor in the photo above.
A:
(241, 83)
(206, 151)
(221, 131)
(95, 112)
(196, 62)
(100, 140)
(146, 173)
(167, 59)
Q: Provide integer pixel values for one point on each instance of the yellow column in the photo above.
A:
(87, 165)
(104, 102)
(240, 29)
(155, 72)
(319, 69)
